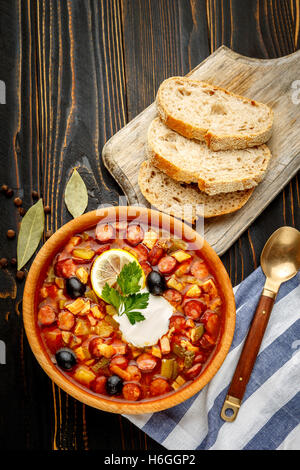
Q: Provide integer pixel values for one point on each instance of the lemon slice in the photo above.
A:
(108, 266)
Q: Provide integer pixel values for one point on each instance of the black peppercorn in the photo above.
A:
(20, 275)
(3, 262)
(10, 233)
(4, 188)
(13, 261)
(47, 209)
(21, 211)
(18, 201)
(35, 195)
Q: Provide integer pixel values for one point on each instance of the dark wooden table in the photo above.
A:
(75, 73)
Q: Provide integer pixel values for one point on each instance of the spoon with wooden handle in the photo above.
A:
(280, 261)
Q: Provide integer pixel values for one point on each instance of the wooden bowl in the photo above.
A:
(36, 276)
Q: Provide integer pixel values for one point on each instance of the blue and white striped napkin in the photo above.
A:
(269, 417)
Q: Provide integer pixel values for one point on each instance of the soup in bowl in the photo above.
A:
(129, 310)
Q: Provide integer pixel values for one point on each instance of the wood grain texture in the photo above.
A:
(267, 81)
(75, 73)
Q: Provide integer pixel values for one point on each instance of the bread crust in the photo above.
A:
(189, 176)
(150, 196)
(214, 141)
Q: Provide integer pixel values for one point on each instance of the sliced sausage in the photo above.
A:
(155, 254)
(193, 371)
(142, 253)
(120, 361)
(135, 234)
(146, 268)
(65, 268)
(199, 270)
(212, 323)
(200, 358)
(146, 362)
(194, 309)
(66, 320)
(94, 347)
(134, 372)
(207, 342)
(52, 291)
(177, 322)
(131, 392)
(102, 248)
(104, 233)
(46, 315)
(159, 387)
(99, 384)
(173, 296)
(167, 264)
(53, 338)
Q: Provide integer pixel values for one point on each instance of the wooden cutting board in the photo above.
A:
(271, 81)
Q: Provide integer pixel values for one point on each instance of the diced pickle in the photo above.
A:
(189, 359)
(188, 356)
(101, 364)
(90, 294)
(50, 275)
(112, 322)
(197, 333)
(83, 253)
(167, 368)
(178, 350)
(110, 310)
(175, 370)
(176, 245)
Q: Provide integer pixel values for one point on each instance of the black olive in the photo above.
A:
(75, 288)
(156, 283)
(114, 385)
(65, 358)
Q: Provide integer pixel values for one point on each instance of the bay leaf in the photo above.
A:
(30, 234)
(76, 195)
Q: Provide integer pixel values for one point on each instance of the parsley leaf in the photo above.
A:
(130, 299)
(129, 278)
(136, 301)
(134, 317)
(111, 296)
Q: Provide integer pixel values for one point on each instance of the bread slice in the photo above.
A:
(201, 111)
(191, 161)
(185, 201)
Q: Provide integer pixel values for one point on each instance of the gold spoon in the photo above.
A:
(280, 261)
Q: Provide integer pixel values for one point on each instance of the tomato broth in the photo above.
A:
(83, 338)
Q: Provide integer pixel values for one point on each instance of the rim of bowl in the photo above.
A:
(38, 270)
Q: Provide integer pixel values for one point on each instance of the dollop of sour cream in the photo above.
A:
(156, 324)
